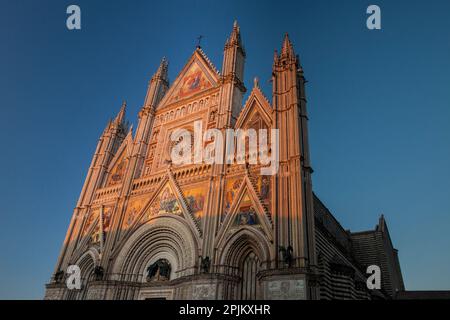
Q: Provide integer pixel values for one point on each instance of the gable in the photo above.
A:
(167, 200)
(165, 203)
(256, 109)
(118, 170)
(193, 81)
(197, 75)
(256, 121)
(118, 165)
(245, 211)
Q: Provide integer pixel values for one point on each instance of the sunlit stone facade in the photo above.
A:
(144, 228)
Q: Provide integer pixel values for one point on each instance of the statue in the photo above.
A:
(59, 276)
(164, 269)
(98, 273)
(151, 270)
(159, 270)
(286, 254)
(205, 264)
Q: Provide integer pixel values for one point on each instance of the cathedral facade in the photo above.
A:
(146, 228)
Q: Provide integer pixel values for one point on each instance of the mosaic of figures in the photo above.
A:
(165, 202)
(231, 189)
(133, 209)
(195, 199)
(118, 171)
(107, 212)
(194, 81)
(264, 189)
(246, 214)
(95, 237)
(92, 215)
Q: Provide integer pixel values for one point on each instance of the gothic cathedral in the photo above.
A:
(145, 228)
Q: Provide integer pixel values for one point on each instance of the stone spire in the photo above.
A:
(287, 54)
(382, 223)
(120, 118)
(161, 73)
(158, 85)
(235, 37)
(275, 58)
(288, 49)
(233, 75)
(234, 55)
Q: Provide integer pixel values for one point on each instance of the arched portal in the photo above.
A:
(245, 253)
(164, 239)
(86, 263)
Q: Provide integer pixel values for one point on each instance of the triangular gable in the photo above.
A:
(166, 200)
(165, 203)
(256, 105)
(118, 165)
(246, 211)
(197, 75)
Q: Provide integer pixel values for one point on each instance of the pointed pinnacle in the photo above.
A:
(235, 37)
(275, 56)
(287, 49)
(161, 72)
(121, 115)
(108, 126)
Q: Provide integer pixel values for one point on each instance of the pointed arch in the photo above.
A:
(232, 249)
(86, 262)
(242, 255)
(164, 237)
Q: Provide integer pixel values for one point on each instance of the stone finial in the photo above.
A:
(161, 73)
(275, 56)
(235, 37)
(121, 115)
(256, 82)
(288, 49)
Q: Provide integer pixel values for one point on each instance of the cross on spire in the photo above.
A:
(199, 40)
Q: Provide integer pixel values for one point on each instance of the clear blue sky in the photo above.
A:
(379, 107)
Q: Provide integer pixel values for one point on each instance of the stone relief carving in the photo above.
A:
(203, 292)
(286, 290)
